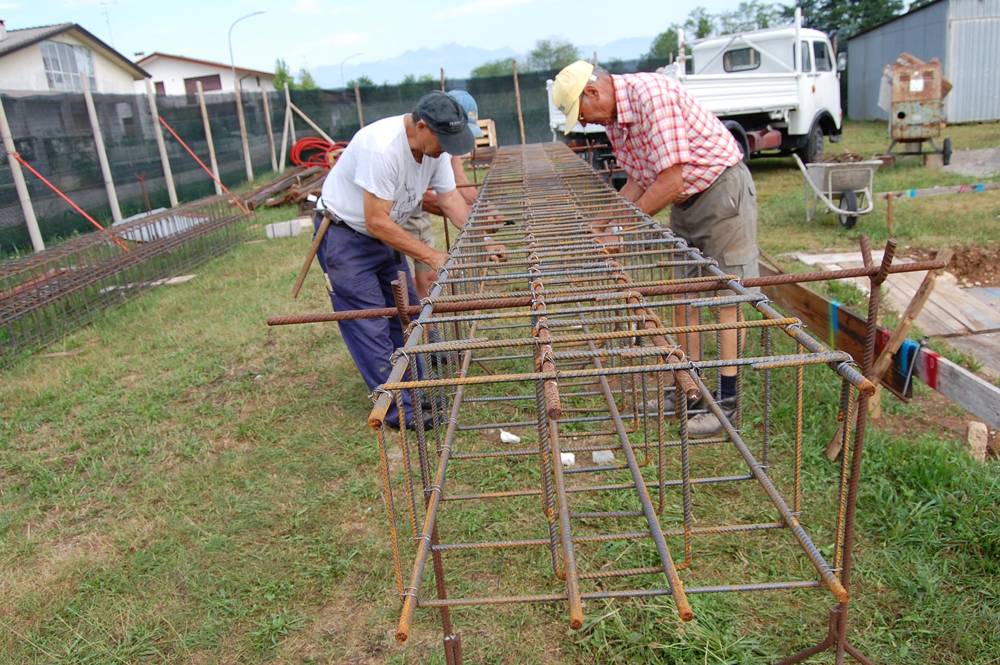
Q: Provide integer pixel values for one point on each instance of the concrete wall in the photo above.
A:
(24, 70)
(173, 72)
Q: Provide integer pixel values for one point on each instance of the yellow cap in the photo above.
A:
(568, 87)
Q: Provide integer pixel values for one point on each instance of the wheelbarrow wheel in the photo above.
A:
(848, 201)
(946, 152)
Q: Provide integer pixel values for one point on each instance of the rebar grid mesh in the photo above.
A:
(591, 364)
(51, 293)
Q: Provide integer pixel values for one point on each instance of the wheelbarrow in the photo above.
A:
(844, 187)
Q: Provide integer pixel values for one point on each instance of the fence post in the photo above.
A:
(243, 129)
(22, 189)
(284, 139)
(517, 98)
(168, 174)
(102, 155)
(270, 134)
(208, 137)
(357, 100)
(442, 79)
(291, 120)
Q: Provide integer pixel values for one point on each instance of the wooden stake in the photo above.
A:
(270, 133)
(243, 131)
(357, 100)
(291, 121)
(284, 139)
(161, 146)
(208, 137)
(102, 154)
(517, 98)
(312, 124)
(889, 221)
(442, 79)
(19, 185)
(320, 232)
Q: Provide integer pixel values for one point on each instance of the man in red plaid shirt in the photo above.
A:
(675, 153)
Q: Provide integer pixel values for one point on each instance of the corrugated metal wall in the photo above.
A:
(922, 33)
(973, 62)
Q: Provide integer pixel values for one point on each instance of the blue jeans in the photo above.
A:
(361, 270)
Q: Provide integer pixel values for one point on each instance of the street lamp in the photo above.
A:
(353, 55)
(239, 101)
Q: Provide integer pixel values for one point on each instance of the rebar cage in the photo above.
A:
(582, 341)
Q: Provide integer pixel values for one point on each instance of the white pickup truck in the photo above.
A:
(777, 90)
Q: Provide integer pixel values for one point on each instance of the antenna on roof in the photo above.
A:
(106, 6)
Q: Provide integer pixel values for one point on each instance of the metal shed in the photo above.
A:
(963, 34)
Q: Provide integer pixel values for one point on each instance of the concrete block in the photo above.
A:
(977, 438)
(289, 229)
(602, 456)
(568, 459)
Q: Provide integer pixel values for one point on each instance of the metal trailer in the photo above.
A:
(849, 183)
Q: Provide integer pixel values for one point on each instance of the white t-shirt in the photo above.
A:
(378, 160)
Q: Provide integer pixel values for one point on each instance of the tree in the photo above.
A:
(550, 54)
(700, 23)
(500, 67)
(663, 48)
(363, 81)
(750, 15)
(306, 80)
(845, 18)
(282, 75)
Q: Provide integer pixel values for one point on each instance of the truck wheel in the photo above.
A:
(812, 151)
(848, 201)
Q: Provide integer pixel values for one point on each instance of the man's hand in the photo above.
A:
(497, 252)
(436, 260)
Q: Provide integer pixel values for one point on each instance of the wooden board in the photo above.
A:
(972, 393)
(950, 310)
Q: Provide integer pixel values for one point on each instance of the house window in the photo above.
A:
(741, 60)
(208, 83)
(66, 66)
(161, 89)
(821, 55)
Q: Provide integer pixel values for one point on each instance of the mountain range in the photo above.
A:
(458, 61)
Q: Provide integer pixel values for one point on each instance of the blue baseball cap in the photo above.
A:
(468, 104)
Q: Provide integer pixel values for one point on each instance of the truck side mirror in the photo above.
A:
(842, 61)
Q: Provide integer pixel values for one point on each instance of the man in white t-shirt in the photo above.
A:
(379, 180)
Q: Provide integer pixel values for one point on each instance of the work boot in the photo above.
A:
(704, 425)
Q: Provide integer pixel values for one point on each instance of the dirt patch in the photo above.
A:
(973, 266)
(937, 416)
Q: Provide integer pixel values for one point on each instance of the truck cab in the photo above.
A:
(777, 90)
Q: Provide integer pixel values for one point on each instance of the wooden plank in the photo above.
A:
(975, 395)
(912, 311)
(936, 319)
(814, 310)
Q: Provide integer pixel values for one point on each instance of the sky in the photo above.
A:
(310, 33)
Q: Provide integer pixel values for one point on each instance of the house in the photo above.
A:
(178, 74)
(963, 34)
(59, 58)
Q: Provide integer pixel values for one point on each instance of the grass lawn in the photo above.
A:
(192, 486)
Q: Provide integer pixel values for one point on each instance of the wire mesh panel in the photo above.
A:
(597, 343)
(48, 294)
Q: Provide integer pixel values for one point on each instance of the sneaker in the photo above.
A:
(393, 423)
(707, 424)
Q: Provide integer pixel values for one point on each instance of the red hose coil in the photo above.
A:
(314, 151)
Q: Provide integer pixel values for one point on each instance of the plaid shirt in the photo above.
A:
(660, 125)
